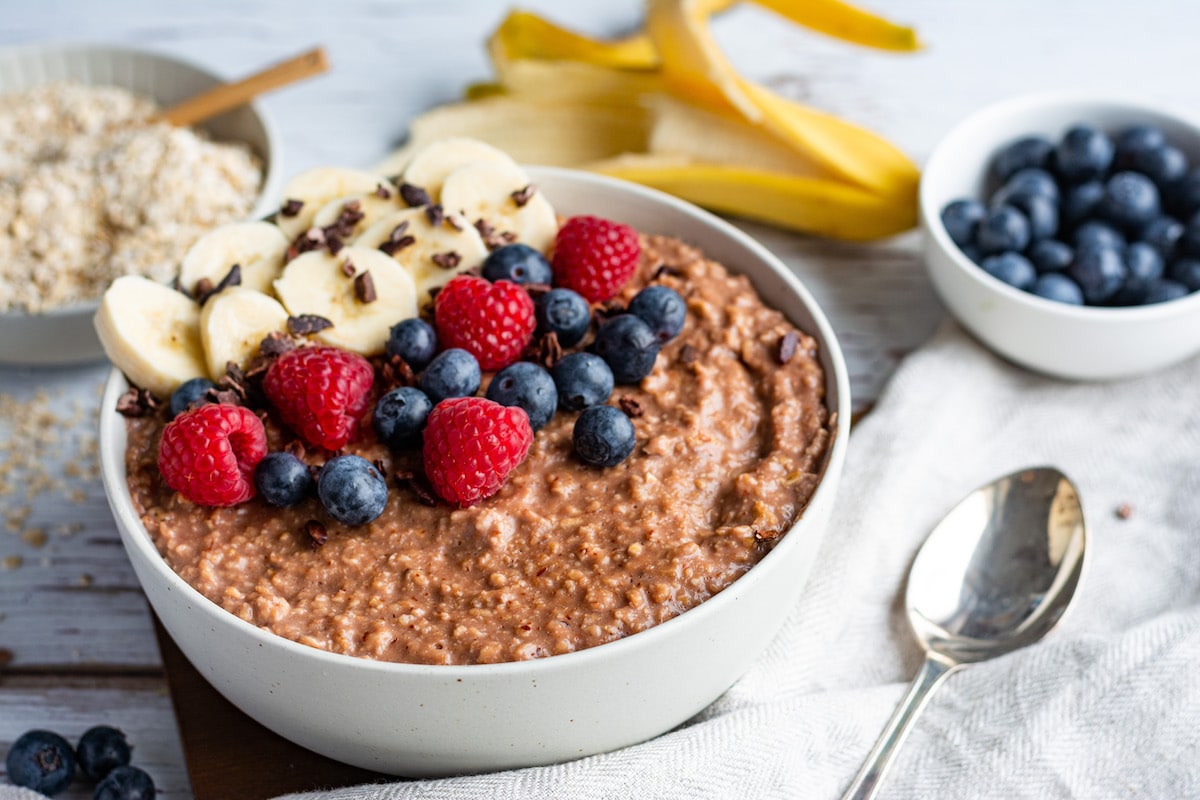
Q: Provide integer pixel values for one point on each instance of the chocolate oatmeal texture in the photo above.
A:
(565, 556)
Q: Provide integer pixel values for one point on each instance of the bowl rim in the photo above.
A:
(116, 488)
(931, 218)
(272, 176)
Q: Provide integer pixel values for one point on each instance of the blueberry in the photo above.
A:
(629, 347)
(42, 761)
(1184, 195)
(1051, 255)
(1099, 271)
(352, 490)
(604, 436)
(1163, 234)
(564, 312)
(518, 263)
(1187, 271)
(1083, 154)
(1080, 202)
(662, 308)
(282, 479)
(527, 386)
(1042, 213)
(1028, 151)
(1058, 287)
(1163, 165)
(1011, 268)
(102, 748)
(1130, 200)
(583, 380)
(1099, 234)
(1026, 183)
(1132, 141)
(1004, 228)
(125, 783)
(961, 219)
(189, 393)
(1164, 291)
(399, 417)
(414, 340)
(1189, 242)
(1143, 262)
(452, 373)
(1144, 267)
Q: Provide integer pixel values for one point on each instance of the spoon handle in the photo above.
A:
(870, 775)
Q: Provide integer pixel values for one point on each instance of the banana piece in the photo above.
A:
(151, 333)
(316, 187)
(813, 205)
(316, 283)
(371, 205)
(431, 164)
(523, 34)
(454, 238)
(233, 324)
(489, 191)
(567, 134)
(257, 247)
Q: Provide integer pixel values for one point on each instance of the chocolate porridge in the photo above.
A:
(732, 433)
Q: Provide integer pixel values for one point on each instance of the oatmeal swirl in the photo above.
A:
(732, 432)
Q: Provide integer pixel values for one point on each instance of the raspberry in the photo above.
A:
(208, 454)
(595, 257)
(492, 321)
(321, 393)
(471, 445)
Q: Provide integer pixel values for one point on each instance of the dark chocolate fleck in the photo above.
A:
(546, 350)
(307, 324)
(787, 346)
(397, 372)
(232, 278)
(347, 268)
(630, 405)
(334, 243)
(524, 195)
(316, 532)
(436, 214)
(276, 344)
(447, 260)
(364, 288)
(382, 192)
(203, 288)
(291, 207)
(391, 248)
(688, 355)
(136, 402)
(419, 485)
(666, 269)
(295, 447)
(414, 196)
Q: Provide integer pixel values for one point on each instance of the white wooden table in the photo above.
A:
(74, 626)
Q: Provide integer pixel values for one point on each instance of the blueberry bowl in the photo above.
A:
(1091, 277)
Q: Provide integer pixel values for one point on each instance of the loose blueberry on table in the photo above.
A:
(1097, 218)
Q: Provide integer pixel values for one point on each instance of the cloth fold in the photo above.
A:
(1107, 706)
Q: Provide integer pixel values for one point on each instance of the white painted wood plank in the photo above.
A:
(144, 715)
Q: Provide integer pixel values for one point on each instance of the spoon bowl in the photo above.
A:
(996, 574)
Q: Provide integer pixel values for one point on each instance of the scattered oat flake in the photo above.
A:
(85, 580)
(12, 562)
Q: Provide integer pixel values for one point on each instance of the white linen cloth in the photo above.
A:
(1108, 706)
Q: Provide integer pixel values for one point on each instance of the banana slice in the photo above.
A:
(151, 333)
(370, 207)
(257, 247)
(436, 253)
(504, 198)
(318, 283)
(432, 164)
(234, 322)
(318, 186)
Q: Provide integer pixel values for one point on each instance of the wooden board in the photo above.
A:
(230, 755)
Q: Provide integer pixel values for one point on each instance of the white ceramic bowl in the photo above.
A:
(1079, 343)
(65, 335)
(423, 720)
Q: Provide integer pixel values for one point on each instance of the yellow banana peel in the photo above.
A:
(813, 205)
(664, 107)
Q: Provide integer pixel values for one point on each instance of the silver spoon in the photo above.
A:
(995, 574)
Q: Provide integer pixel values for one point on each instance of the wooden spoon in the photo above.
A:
(231, 95)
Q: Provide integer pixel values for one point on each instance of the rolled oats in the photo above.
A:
(90, 191)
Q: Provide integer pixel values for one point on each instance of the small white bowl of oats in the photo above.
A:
(91, 190)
